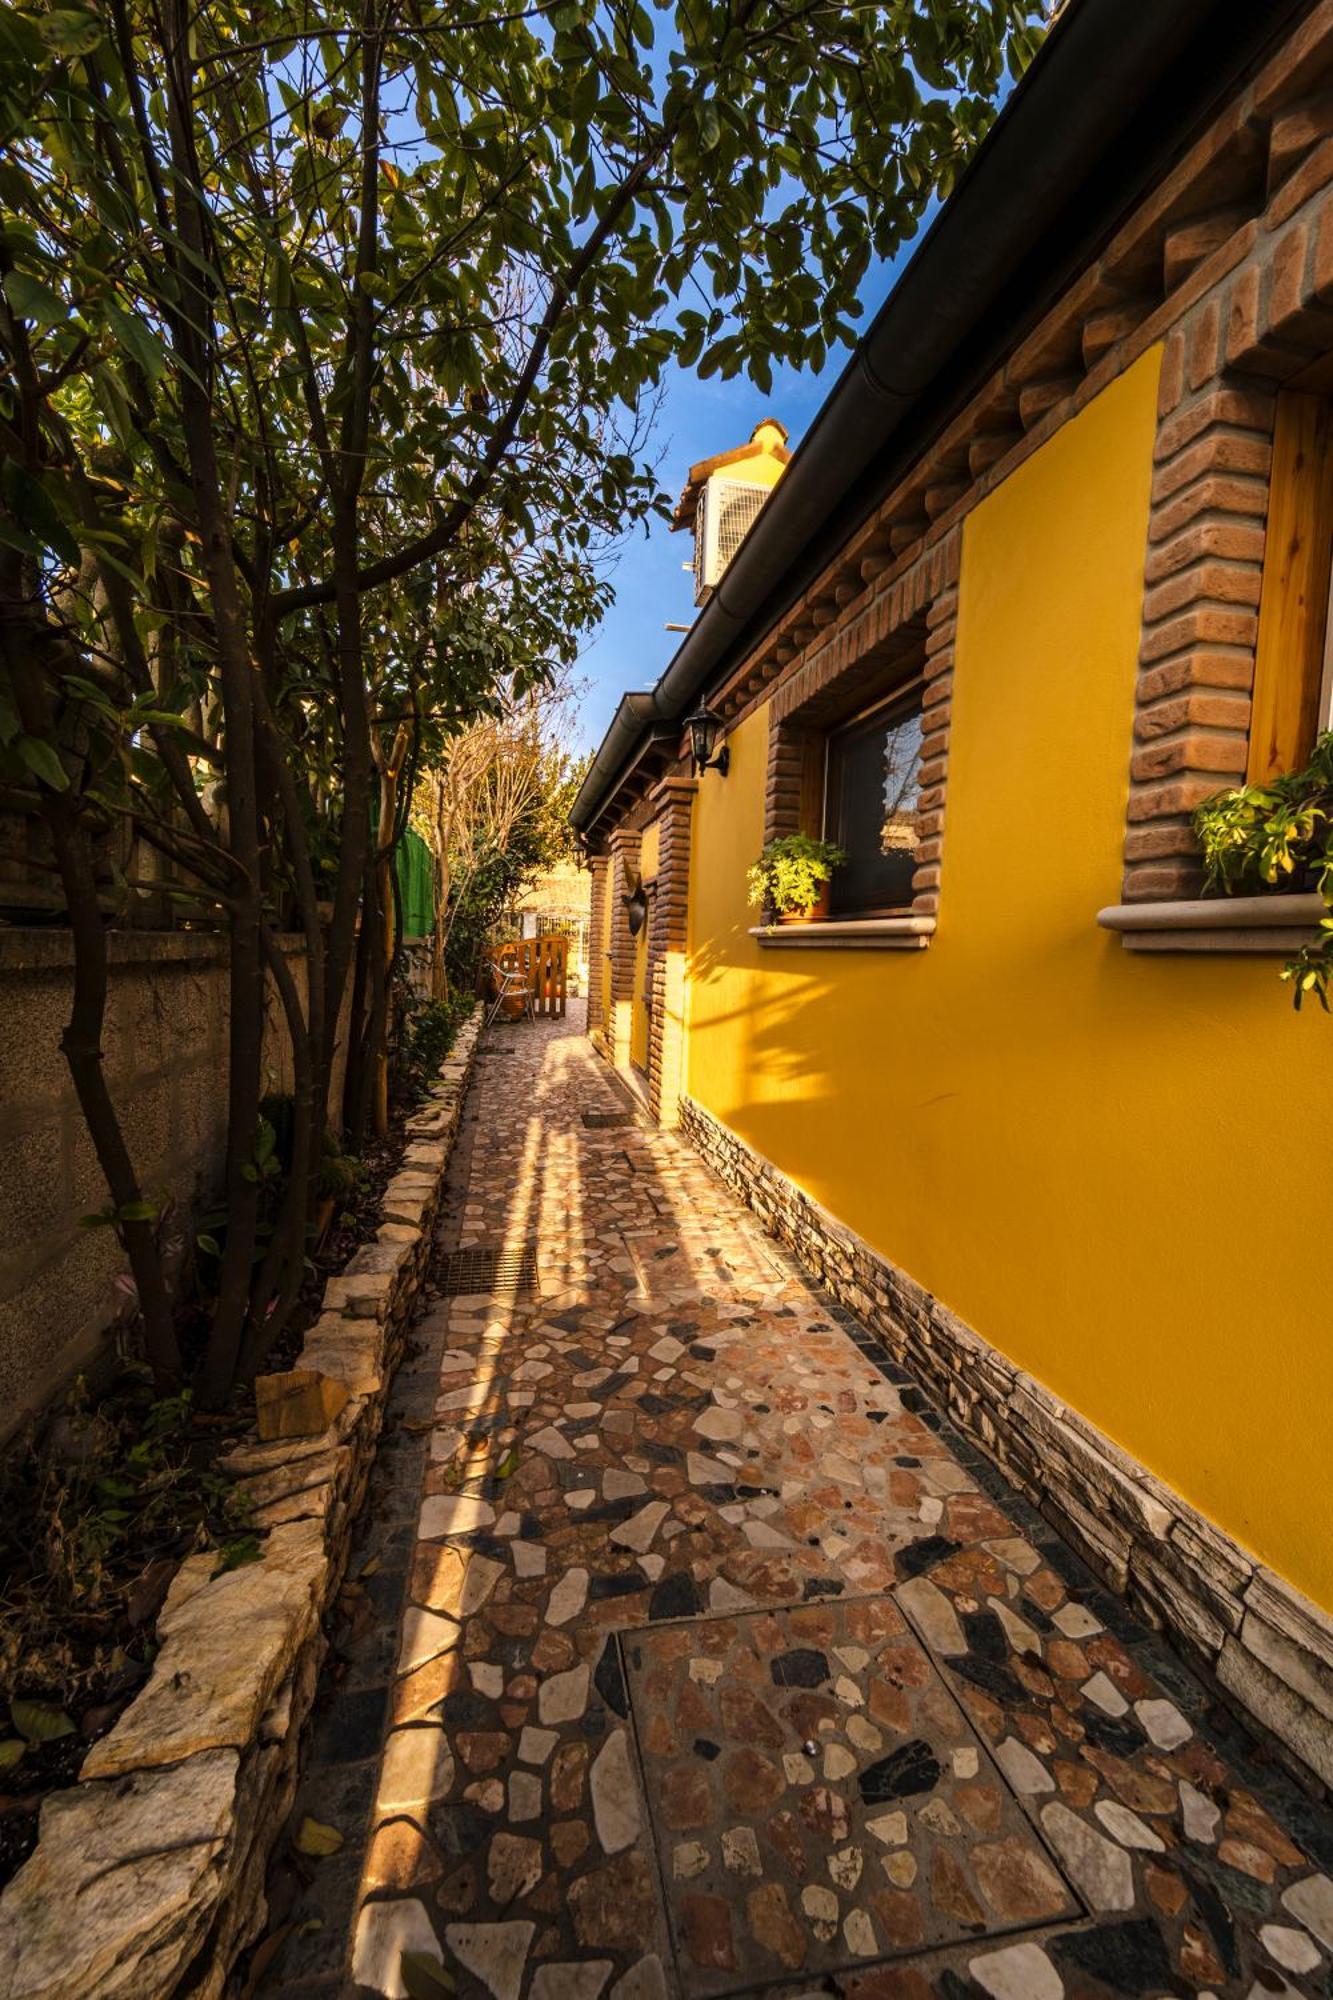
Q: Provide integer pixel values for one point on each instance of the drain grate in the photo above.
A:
(486, 1268)
(608, 1121)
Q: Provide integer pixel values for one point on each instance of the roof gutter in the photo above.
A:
(1050, 181)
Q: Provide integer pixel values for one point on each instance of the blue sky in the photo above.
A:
(631, 647)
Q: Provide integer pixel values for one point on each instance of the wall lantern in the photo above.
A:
(636, 907)
(705, 734)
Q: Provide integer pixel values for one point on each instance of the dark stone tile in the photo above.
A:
(675, 1596)
(903, 1775)
(918, 1557)
(609, 1680)
(801, 1667)
(1129, 1958)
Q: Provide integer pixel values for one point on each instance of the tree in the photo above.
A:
(327, 353)
(494, 809)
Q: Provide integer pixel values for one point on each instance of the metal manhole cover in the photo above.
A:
(819, 1800)
(608, 1121)
(488, 1268)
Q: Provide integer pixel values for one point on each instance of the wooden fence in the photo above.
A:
(544, 964)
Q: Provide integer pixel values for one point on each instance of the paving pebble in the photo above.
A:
(724, 1667)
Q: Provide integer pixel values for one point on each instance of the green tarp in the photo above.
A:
(416, 885)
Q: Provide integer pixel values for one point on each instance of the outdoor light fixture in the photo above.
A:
(705, 733)
(636, 907)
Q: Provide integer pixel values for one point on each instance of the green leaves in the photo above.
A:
(238, 1553)
(31, 299)
(111, 1217)
(39, 1721)
(34, 512)
(1257, 838)
(137, 340)
(43, 760)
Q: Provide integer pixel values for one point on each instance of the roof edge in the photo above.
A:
(1020, 204)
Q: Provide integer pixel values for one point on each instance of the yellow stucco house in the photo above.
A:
(1038, 1112)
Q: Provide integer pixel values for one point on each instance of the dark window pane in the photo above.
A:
(872, 811)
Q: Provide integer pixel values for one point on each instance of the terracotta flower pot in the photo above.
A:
(811, 913)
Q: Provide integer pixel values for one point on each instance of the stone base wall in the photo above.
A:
(1241, 1624)
(148, 1876)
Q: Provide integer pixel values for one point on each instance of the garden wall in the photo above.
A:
(148, 1877)
(165, 1050)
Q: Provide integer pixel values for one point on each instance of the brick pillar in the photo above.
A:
(596, 932)
(1212, 459)
(666, 949)
(936, 704)
(622, 873)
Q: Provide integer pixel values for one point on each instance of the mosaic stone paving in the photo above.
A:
(820, 1799)
(682, 1535)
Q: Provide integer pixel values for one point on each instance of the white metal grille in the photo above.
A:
(727, 511)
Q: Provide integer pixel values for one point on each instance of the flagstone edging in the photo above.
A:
(148, 1876)
(1243, 1625)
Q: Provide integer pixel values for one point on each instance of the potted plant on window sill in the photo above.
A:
(790, 880)
(1277, 838)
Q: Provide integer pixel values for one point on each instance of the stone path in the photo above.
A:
(724, 1667)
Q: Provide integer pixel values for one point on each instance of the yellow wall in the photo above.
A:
(1114, 1167)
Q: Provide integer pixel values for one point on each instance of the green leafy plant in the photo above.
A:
(428, 1036)
(790, 873)
(1278, 836)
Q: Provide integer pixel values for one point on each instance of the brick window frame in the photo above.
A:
(907, 634)
(1228, 369)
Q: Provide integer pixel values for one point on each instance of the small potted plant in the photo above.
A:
(791, 878)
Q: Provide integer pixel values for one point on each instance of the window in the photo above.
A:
(1292, 660)
(871, 792)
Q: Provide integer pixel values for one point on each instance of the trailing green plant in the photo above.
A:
(1278, 836)
(790, 873)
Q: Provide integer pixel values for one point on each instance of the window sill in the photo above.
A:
(849, 934)
(1277, 924)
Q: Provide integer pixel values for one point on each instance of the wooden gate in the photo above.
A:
(543, 962)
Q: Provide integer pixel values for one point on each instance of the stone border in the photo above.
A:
(1243, 1626)
(148, 1876)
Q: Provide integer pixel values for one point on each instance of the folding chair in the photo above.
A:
(510, 985)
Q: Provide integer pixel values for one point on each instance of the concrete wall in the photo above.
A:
(165, 1050)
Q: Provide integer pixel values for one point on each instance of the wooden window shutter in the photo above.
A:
(1293, 607)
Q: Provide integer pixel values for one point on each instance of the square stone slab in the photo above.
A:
(818, 1799)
